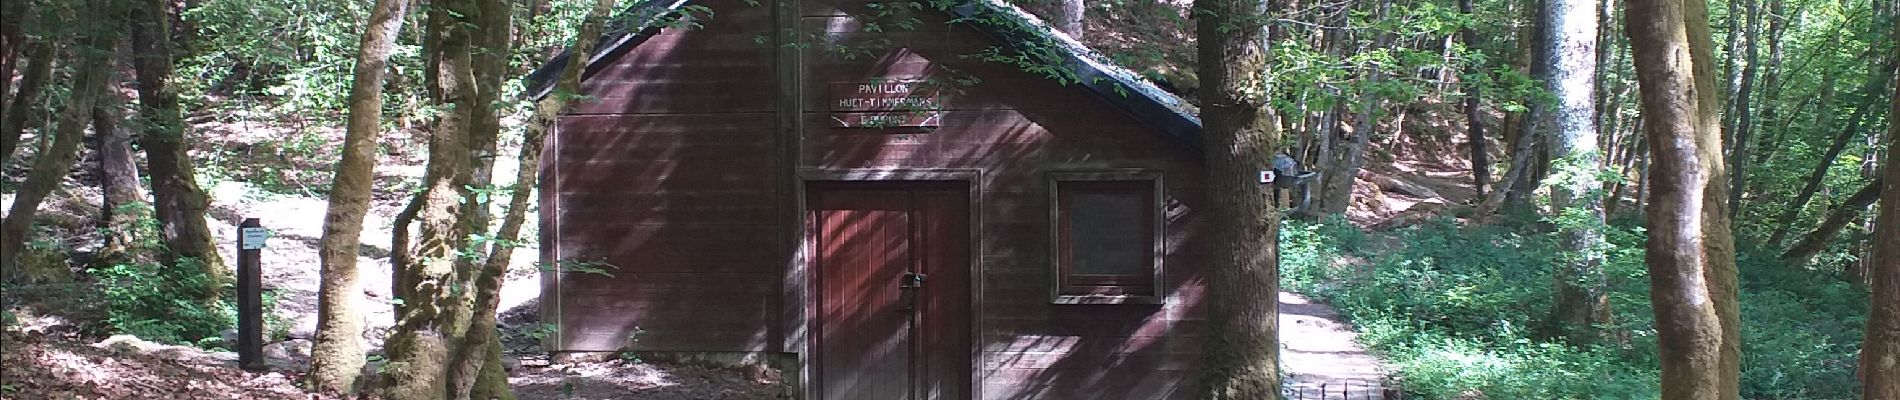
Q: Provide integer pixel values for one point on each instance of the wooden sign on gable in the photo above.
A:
(890, 103)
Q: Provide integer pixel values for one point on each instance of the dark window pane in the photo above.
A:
(1109, 233)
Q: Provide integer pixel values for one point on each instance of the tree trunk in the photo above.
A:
(1528, 152)
(477, 363)
(12, 36)
(1241, 355)
(1718, 242)
(1474, 113)
(1069, 18)
(1880, 355)
(124, 196)
(1837, 218)
(1733, 66)
(437, 303)
(25, 103)
(1337, 192)
(1821, 118)
(488, 383)
(1769, 109)
(1819, 174)
(178, 202)
(337, 356)
(1744, 120)
(51, 166)
(1570, 58)
(1689, 320)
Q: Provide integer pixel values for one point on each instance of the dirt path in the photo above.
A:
(1320, 356)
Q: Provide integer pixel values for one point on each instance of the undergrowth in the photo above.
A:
(1455, 310)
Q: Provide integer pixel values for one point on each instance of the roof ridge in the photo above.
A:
(1117, 85)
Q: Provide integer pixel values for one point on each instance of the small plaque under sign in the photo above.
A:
(921, 119)
(252, 238)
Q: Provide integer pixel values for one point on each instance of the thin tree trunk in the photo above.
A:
(12, 36)
(178, 202)
(1733, 67)
(50, 167)
(1474, 114)
(1744, 120)
(337, 356)
(1338, 188)
(1528, 154)
(1880, 355)
(1570, 58)
(1816, 176)
(1812, 243)
(26, 102)
(1821, 118)
(1689, 322)
(489, 384)
(480, 351)
(1241, 356)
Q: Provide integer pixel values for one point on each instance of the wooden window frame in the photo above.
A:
(1067, 288)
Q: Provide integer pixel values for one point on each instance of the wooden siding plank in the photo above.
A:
(679, 248)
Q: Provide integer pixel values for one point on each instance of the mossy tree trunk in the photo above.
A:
(1582, 299)
(437, 299)
(177, 200)
(99, 35)
(1241, 357)
(1689, 251)
(491, 380)
(337, 356)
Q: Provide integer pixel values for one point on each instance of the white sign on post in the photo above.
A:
(253, 237)
(1266, 176)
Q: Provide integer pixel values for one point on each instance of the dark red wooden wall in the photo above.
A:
(672, 175)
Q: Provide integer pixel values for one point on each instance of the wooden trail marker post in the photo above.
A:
(250, 301)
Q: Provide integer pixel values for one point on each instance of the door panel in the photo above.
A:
(878, 337)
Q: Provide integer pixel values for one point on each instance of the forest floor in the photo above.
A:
(47, 356)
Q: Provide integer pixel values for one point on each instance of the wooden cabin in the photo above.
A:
(871, 196)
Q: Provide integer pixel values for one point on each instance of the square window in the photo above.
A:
(1107, 236)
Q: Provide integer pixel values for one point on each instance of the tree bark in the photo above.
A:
(1880, 355)
(1718, 242)
(1812, 243)
(337, 356)
(1674, 72)
(1241, 356)
(124, 199)
(1744, 120)
(1570, 58)
(1069, 18)
(1336, 192)
(51, 166)
(1474, 114)
(178, 202)
(477, 363)
(25, 103)
(437, 299)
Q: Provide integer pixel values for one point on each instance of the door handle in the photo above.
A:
(911, 280)
(906, 296)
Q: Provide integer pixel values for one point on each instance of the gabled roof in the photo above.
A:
(1000, 21)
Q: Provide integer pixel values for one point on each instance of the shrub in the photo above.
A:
(163, 304)
(1450, 309)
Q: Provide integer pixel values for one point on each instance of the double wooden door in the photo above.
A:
(892, 265)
